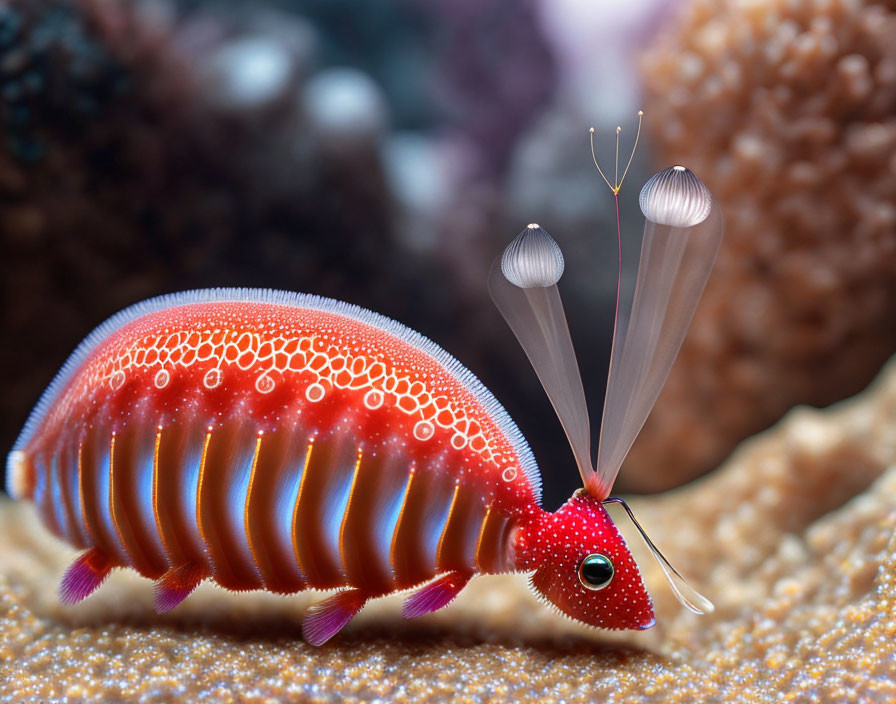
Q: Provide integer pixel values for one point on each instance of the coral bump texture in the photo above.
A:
(786, 111)
(793, 538)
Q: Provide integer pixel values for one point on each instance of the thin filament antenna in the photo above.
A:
(616, 160)
(634, 148)
(597, 166)
(617, 182)
(599, 487)
(687, 596)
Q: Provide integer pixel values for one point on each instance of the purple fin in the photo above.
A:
(434, 595)
(326, 618)
(83, 576)
(176, 585)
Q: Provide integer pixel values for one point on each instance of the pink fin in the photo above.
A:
(434, 595)
(83, 576)
(176, 585)
(326, 618)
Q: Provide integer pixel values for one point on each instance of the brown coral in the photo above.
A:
(793, 539)
(788, 112)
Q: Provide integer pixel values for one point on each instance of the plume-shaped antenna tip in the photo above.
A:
(675, 197)
(533, 259)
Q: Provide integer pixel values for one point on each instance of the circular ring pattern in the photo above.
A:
(264, 384)
(162, 378)
(117, 380)
(424, 430)
(374, 399)
(315, 392)
(212, 378)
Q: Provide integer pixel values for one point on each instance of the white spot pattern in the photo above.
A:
(229, 342)
(315, 392)
(331, 365)
(212, 378)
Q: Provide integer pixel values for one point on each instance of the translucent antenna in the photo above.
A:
(523, 285)
(682, 234)
(689, 597)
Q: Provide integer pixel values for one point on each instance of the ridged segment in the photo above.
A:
(441, 523)
(675, 197)
(533, 259)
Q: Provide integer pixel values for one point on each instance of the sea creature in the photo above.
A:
(282, 441)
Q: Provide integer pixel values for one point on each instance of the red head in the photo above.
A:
(583, 566)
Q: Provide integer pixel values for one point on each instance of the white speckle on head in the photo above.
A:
(675, 197)
(533, 259)
(16, 474)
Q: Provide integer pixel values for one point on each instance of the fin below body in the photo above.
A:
(84, 575)
(326, 618)
(434, 595)
(176, 585)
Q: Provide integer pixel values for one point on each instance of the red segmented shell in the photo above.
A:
(290, 442)
(273, 356)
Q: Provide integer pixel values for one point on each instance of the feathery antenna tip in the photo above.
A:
(617, 182)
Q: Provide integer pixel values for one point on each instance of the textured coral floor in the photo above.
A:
(793, 539)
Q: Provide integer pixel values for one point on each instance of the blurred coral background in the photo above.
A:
(383, 152)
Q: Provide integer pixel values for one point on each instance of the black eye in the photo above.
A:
(596, 571)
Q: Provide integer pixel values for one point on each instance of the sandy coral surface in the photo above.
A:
(793, 538)
(787, 111)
